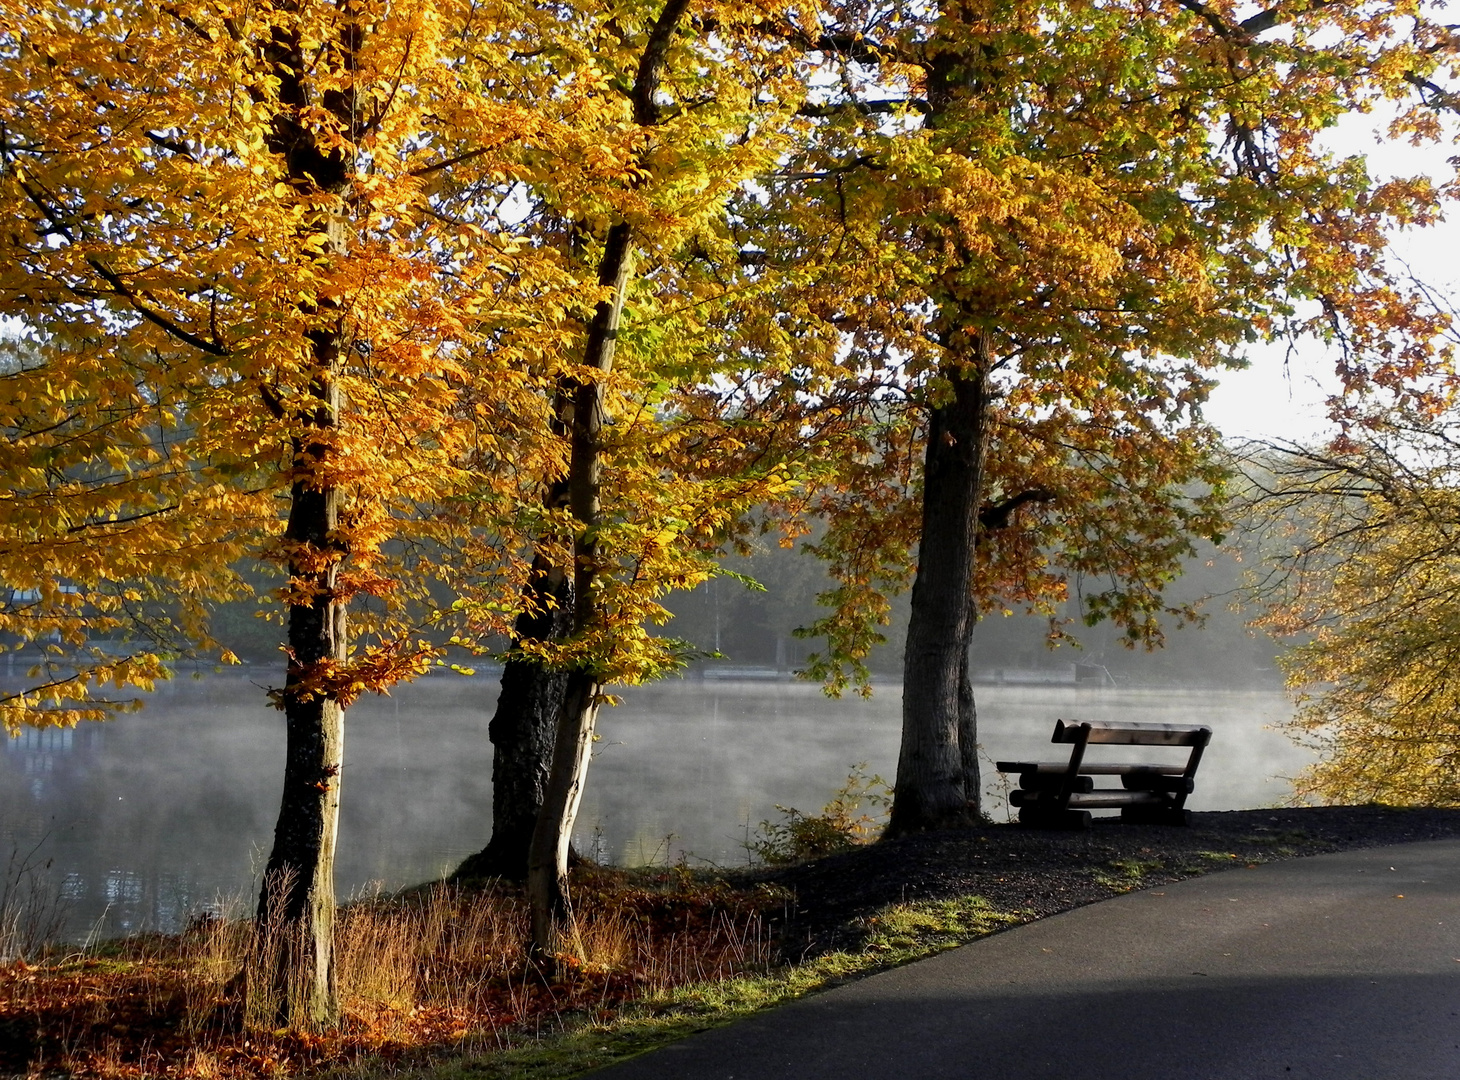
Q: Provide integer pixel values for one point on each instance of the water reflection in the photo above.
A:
(155, 815)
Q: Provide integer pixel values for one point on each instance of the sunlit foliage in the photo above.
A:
(1365, 562)
(1118, 201)
(178, 261)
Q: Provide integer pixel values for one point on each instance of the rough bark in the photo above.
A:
(297, 900)
(295, 936)
(547, 878)
(524, 727)
(932, 766)
(968, 727)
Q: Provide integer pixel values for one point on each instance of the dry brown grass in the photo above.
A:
(32, 912)
(431, 970)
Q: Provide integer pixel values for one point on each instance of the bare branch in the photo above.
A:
(878, 107)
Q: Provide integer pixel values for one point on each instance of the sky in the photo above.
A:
(1281, 396)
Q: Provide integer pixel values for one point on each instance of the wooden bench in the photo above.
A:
(1061, 794)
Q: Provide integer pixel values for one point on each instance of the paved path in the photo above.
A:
(1337, 967)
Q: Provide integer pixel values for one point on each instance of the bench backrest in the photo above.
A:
(1132, 734)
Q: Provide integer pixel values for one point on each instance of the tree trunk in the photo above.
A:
(968, 725)
(524, 728)
(547, 875)
(933, 766)
(295, 936)
(547, 863)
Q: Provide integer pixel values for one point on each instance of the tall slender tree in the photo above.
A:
(644, 517)
(230, 236)
(707, 102)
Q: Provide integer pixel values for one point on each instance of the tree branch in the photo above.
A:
(1432, 94)
(997, 515)
(119, 286)
(854, 47)
(1246, 31)
(652, 63)
(865, 108)
(864, 161)
(188, 22)
(182, 149)
(155, 318)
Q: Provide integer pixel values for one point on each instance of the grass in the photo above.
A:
(895, 935)
(435, 983)
(438, 977)
(1126, 875)
(431, 971)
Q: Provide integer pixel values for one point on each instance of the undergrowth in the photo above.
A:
(436, 971)
(436, 982)
(842, 824)
(895, 935)
(32, 911)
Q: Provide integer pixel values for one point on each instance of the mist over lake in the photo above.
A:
(157, 815)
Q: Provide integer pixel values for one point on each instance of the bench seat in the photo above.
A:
(1094, 800)
(1170, 785)
(1088, 768)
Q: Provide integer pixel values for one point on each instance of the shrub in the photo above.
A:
(841, 825)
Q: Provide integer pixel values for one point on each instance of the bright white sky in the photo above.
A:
(1282, 397)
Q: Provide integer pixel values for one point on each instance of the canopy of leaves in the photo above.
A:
(1121, 198)
(173, 256)
(1364, 559)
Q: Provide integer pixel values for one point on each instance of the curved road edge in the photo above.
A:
(1334, 967)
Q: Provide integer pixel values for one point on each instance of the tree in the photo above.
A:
(229, 234)
(1042, 228)
(706, 106)
(654, 483)
(1360, 557)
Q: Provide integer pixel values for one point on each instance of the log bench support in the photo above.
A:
(1061, 794)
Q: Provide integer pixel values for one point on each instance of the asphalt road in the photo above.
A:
(1338, 967)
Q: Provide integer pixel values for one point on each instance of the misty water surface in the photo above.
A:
(159, 814)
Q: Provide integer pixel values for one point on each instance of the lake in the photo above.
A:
(159, 814)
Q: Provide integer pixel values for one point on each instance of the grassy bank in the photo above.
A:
(435, 982)
(898, 934)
